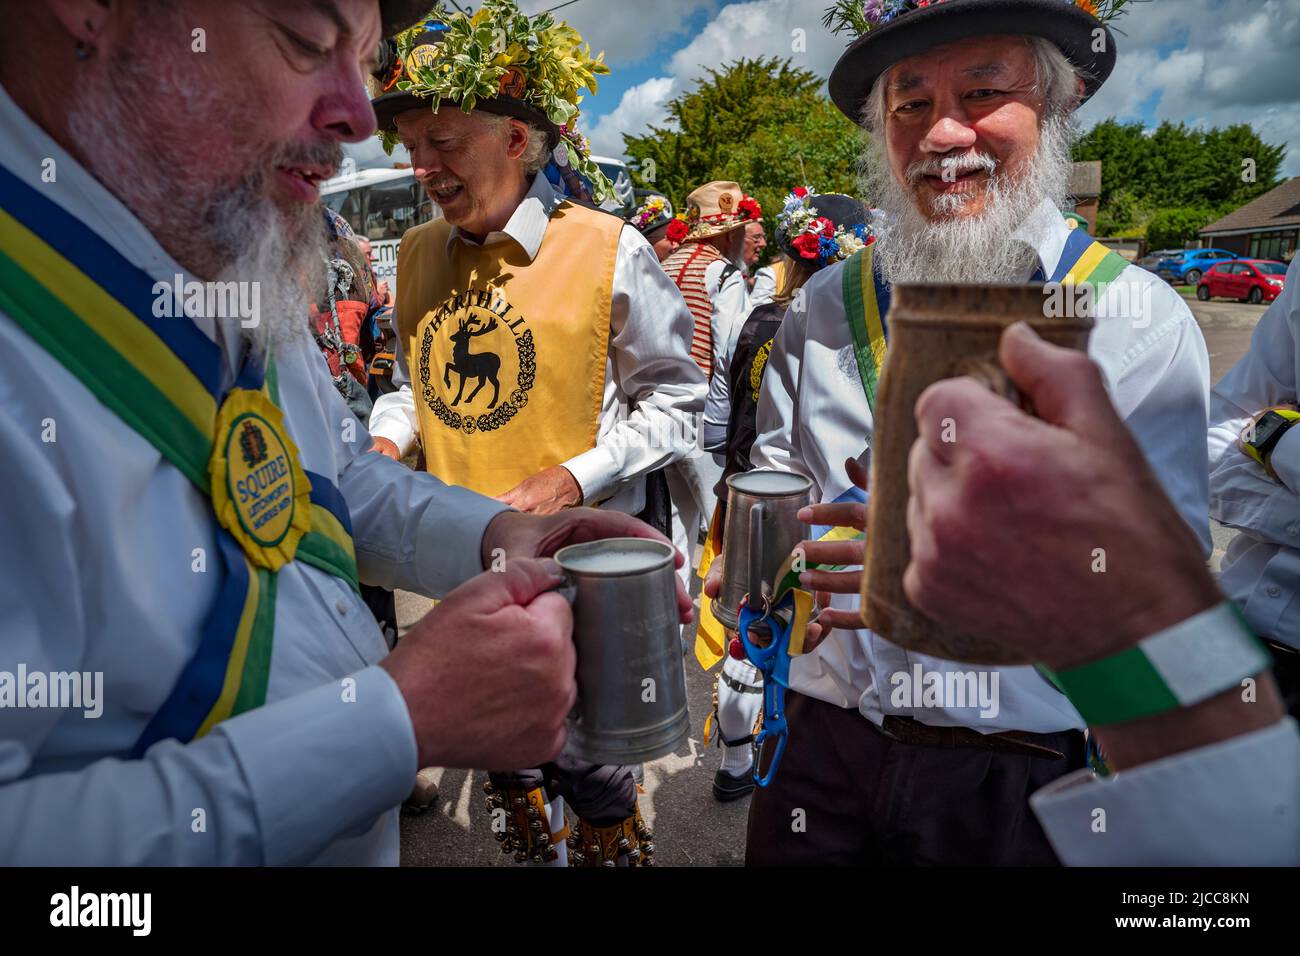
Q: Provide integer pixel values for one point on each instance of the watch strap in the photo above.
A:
(1262, 455)
(1182, 665)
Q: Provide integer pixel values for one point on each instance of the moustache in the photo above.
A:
(324, 156)
(440, 182)
(953, 165)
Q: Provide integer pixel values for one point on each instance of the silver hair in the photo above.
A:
(983, 248)
(537, 153)
(1054, 79)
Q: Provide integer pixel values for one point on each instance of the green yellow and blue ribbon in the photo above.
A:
(92, 310)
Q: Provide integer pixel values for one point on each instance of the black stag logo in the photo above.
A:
(481, 365)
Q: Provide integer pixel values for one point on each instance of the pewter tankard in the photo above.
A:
(631, 685)
(761, 532)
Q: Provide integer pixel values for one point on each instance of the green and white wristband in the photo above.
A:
(1177, 667)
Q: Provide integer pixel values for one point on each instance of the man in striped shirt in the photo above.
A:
(707, 269)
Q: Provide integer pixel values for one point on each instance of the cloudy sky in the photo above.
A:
(1211, 62)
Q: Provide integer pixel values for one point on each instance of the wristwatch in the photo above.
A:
(1268, 431)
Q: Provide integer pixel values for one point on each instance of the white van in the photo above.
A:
(381, 202)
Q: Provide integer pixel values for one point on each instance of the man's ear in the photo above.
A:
(518, 141)
(85, 20)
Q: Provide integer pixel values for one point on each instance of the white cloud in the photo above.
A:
(625, 29)
(757, 28)
(1232, 61)
(642, 106)
(762, 28)
(1235, 63)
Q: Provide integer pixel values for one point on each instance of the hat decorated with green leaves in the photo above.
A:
(499, 60)
(890, 31)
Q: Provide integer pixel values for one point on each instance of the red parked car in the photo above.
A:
(1247, 280)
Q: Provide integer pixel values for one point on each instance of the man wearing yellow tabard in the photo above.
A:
(542, 349)
(188, 674)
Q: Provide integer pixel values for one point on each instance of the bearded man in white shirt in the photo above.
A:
(202, 507)
(546, 352)
(969, 104)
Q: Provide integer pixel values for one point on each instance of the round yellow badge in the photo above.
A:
(260, 492)
(422, 56)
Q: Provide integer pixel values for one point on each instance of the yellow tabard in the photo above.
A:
(507, 356)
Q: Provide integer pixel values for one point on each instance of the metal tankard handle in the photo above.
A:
(757, 598)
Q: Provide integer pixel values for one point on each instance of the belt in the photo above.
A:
(1286, 652)
(910, 731)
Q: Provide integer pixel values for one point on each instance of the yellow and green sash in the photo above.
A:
(866, 305)
(93, 311)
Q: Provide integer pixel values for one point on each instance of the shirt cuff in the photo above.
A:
(595, 473)
(461, 515)
(392, 423)
(1234, 803)
(1285, 459)
(325, 764)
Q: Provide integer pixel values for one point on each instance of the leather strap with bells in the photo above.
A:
(602, 846)
(526, 833)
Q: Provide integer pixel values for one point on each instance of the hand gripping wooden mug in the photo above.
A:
(937, 332)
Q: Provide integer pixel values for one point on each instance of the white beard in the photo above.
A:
(973, 249)
(218, 232)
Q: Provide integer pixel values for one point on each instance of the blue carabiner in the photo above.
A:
(773, 662)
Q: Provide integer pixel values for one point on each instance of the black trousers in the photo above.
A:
(601, 795)
(847, 795)
(1286, 671)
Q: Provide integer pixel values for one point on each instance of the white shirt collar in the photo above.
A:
(1045, 231)
(527, 224)
(29, 151)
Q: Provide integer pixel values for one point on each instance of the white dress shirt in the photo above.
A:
(812, 415)
(101, 575)
(1234, 803)
(764, 290)
(731, 305)
(1261, 570)
(653, 390)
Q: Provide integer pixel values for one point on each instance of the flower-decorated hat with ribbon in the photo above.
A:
(654, 213)
(890, 31)
(718, 207)
(818, 230)
(498, 60)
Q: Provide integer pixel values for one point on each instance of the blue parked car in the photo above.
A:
(1187, 267)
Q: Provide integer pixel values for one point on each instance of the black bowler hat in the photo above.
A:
(898, 29)
(397, 15)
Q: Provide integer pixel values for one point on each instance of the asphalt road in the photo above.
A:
(691, 828)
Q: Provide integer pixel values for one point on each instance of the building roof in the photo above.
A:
(1279, 206)
(1085, 183)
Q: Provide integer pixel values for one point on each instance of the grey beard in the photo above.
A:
(980, 249)
(230, 232)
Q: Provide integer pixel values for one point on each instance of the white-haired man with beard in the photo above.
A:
(195, 503)
(968, 104)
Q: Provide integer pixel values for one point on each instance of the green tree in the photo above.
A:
(1176, 172)
(1174, 228)
(762, 123)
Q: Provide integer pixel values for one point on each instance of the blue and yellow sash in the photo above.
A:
(1084, 261)
(93, 311)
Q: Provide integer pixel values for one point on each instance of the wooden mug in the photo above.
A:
(937, 332)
